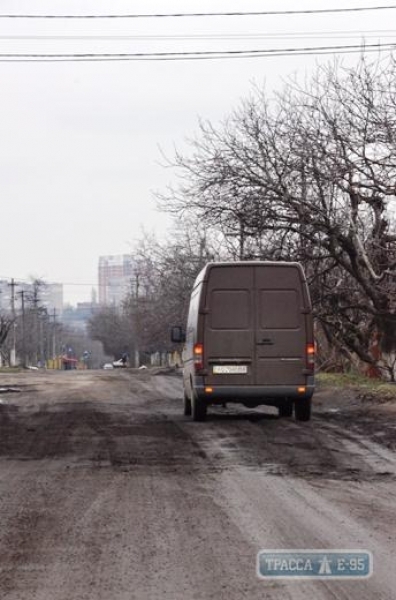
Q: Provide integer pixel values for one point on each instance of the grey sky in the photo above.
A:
(79, 142)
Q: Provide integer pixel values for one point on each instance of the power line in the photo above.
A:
(19, 282)
(215, 14)
(221, 36)
(193, 55)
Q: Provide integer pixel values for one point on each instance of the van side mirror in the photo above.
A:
(178, 335)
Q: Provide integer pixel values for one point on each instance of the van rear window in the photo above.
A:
(279, 309)
(229, 309)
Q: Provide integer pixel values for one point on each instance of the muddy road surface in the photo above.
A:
(107, 492)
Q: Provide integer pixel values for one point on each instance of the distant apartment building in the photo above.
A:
(5, 295)
(115, 276)
(49, 295)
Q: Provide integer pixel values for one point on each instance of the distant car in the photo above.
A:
(108, 366)
(119, 363)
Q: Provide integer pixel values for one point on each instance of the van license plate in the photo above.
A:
(229, 369)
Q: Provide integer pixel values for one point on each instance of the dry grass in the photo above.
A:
(367, 389)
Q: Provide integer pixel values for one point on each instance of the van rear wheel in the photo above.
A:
(286, 409)
(198, 408)
(302, 409)
(187, 405)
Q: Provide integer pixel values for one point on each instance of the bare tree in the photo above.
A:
(165, 272)
(310, 175)
(113, 328)
(6, 323)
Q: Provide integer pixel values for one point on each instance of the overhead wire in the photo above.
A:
(193, 55)
(203, 14)
(23, 281)
(231, 36)
(197, 55)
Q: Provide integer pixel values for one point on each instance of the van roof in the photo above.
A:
(203, 274)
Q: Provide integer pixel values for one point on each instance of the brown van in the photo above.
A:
(249, 338)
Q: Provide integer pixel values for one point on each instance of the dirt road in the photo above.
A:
(108, 493)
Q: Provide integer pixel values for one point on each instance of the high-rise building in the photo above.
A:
(115, 276)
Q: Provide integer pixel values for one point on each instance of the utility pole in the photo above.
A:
(53, 316)
(137, 341)
(42, 316)
(36, 323)
(22, 294)
(13, 350)
(12, 286)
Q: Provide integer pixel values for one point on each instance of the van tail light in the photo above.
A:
(311, 357)
(198, 357)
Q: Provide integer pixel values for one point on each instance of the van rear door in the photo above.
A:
(280, 318)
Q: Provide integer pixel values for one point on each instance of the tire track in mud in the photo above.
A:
(282, 447)
(150, 432)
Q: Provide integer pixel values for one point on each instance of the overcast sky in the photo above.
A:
(80, 141)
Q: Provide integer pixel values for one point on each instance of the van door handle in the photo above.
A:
(266, 342)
